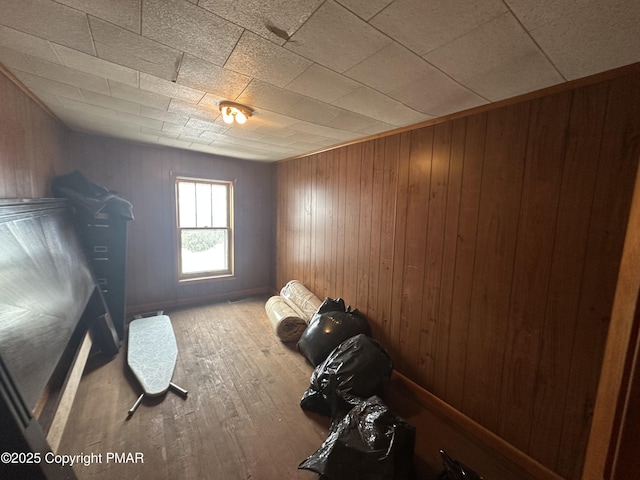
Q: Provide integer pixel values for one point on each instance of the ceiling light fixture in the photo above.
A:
(234, 112)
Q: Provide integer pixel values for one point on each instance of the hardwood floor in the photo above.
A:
(241, 420)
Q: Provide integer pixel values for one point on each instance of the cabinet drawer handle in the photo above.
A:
(100, 249)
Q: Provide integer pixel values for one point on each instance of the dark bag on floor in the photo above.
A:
(331, 325)
(455, 470)
(359, 367)
(368, 443)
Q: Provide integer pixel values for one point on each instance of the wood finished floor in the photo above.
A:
(241, 420)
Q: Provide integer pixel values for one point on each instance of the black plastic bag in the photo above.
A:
(359, 367)
(331, 325)
(455, 470)
(368, 443)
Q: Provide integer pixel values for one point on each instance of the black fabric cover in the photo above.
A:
(359, 367)
(331, 325)
(91, 196)
(367, 443)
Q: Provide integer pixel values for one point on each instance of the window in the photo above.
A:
(204, 221)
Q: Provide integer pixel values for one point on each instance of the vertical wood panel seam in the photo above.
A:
(584, 263)
(553, 252)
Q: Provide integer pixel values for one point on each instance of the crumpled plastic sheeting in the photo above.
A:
(45, 284)
(368, 443)
(359, 366)
(284, 320)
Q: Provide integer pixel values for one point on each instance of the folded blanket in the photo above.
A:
(285, 321)
(300, 299)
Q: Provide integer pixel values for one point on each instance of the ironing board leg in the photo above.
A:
(135, 406)
(178, 389)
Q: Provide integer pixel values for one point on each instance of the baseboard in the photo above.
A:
(194, 301)
(443, 426)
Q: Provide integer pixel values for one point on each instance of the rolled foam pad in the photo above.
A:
(285, 321)
(301, 299)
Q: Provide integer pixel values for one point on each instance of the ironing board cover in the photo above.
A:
(152, 353)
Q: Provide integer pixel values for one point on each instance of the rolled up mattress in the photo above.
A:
(300, 299)
(285, 321)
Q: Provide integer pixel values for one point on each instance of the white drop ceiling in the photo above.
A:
(317, 73)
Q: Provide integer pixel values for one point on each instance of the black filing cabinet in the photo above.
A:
(104, 235)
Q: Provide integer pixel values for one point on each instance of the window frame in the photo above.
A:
(213, 274)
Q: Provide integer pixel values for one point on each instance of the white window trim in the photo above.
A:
(211, 275)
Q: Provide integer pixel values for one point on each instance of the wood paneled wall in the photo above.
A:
(142, 175)
(484, 251)
(32, 144)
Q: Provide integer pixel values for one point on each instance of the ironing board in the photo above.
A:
(151, 354)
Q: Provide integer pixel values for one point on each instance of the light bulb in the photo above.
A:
(226, 115)
(241, 117)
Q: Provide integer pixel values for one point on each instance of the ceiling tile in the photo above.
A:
(436, 94)
(87, 121)
(206, 76)
(375, 128)
(96, 66)
(136, 136)
(63, 74)
(163, 115)
(127, 92)
(352, 121)
(13, 59)
(159, 133)
(125, 13)
(262, 95)
(199, 140)
(266, 61)
(535, 13)
(321, 130)
(390, 68)
(336, 38)
(50, 20)
(35, 82)
(424, 26)
(593, 38)
(375, 105)
(314, 111)
(211, 101)
(182, 130)
(169, 89)
(191, 110)
(111, 102)
(255, 15)
(498, 60)
(88, 108)
(269, 122)
(210, 126)
(123, 47)
(189, 28)
(322, 84)
(29, 44)
(138, 120)
(365, 9)
(171, 142)
(48, 98)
